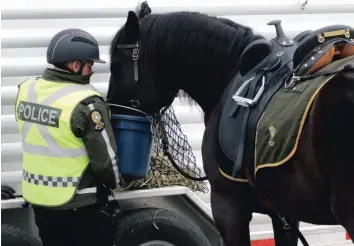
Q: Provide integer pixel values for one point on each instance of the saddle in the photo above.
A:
(323, 46)
(266, 67)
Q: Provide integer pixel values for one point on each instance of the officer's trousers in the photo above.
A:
(83, 226)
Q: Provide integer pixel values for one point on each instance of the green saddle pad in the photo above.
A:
(280, 127)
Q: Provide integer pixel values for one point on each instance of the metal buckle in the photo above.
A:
(293, 79)
(286, 225)
(135, 103)
(135, 54)
(245, 102)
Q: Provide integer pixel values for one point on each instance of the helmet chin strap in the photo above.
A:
(83, 63)
(66, 69)
(82, 67)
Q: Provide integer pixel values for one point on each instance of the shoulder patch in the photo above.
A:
(96, 118)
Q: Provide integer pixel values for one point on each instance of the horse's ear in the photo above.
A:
(132, 26)
(142, 9)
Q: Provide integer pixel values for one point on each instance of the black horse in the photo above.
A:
(153, 59)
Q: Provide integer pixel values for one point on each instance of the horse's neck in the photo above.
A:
(194, 67)
(207, 87)
(206, 93)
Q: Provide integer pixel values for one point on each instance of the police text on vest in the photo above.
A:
(40, 114)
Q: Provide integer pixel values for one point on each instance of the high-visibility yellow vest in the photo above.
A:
(54, 159)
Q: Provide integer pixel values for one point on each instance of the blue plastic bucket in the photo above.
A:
(133, 135)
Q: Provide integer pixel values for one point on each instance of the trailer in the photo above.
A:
(174, 215)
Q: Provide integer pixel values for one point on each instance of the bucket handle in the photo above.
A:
(149, 117)
(121, 106)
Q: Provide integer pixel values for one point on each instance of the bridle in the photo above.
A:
(134, 102)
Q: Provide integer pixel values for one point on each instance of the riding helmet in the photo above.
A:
(73, 44)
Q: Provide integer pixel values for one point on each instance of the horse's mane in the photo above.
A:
(215, 38)
(152, 25)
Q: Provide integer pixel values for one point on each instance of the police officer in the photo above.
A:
(69, 150)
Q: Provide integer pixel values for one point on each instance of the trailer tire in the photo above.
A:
(14, 236)
(144, 226)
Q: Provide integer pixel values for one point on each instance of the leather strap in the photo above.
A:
(241, 144)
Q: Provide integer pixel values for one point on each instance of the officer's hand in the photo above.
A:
(7, 192)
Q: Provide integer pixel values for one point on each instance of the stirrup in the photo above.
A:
(245, 102)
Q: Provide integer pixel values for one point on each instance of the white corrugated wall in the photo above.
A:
(28, 25)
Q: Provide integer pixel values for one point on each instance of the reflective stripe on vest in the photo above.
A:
(53, 148)
(50, 180)
(53, 158)
(110, 151)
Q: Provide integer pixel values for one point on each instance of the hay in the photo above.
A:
(169, 137)
(163, 174)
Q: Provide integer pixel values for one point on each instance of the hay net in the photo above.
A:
(169, 142)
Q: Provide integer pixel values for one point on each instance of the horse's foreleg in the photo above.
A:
(230, 200)
(231, 213)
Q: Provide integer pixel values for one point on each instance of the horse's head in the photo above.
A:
(155, 57)
(133, 82)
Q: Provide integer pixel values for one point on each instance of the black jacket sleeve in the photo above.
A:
(91, 123)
